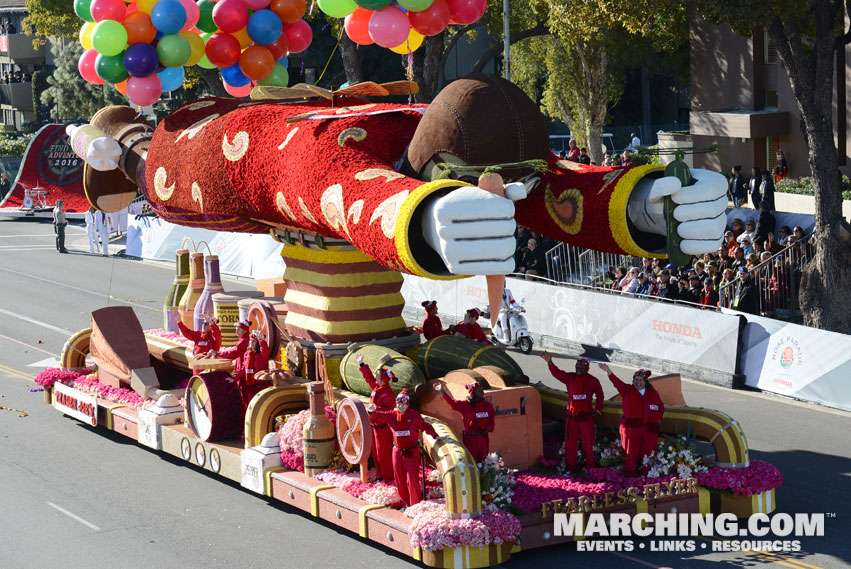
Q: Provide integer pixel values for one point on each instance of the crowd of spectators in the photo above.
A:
(15, 77)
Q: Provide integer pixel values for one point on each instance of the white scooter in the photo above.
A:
(517, 333)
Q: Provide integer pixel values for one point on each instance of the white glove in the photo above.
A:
(701, 209)
(472, 230)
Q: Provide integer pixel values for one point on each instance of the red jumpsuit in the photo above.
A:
(203, 342)
(432, 327)
(471, 331)
(382, 438)
(478, 422)
(640, 422)
(252, 363)
(406, 428)
(236, 354)
(579, 420)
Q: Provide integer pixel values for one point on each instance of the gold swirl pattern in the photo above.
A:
(289, 137)
(566, 209)
(193, 130)
(306, 212)
(160, 178)
(373, 173)
(235, 150)
(355, 133)
(281, 204)
(332, 208)
(387, 212)
(355, 211)
(196, 196)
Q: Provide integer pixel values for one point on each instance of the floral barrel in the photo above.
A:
(467, 557)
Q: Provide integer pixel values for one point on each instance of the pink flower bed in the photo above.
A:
(87, 382)
(48, 376)
(370, 492)
(290, 433)
(432, 530)
(759, 477)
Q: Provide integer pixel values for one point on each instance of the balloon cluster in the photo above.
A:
(401, 25)
(143, 47)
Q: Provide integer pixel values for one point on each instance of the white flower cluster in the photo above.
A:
(497, 482)
(676, 455)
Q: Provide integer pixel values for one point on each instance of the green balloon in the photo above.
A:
(205, 63)
(111, 68)
(416, 5)
(373, 4)
(205, 22)
(83, 9)
(173, 50)
(338, 8)
(109, 37)
(279, 77)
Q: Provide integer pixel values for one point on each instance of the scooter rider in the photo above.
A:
(507, 302)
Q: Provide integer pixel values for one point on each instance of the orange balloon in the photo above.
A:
(139, 28)
(256, 62)
(242, 38)
(122, 87)
(288, 11)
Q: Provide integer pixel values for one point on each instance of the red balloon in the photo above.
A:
(230, 15)
(256, 62)
(467, 11)
(222, 50)
(432, 20)
(108, 10)
(357, 26)
(299, 35)
(280, 48)
(238, 92)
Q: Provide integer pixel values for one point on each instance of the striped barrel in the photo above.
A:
(340, 296)
(181, 280)
(443, 354)
(226, 309)
(186, 306)
(406, 371)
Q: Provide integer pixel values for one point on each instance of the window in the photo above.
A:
(770, 49)
(771, 98)
(769, 153)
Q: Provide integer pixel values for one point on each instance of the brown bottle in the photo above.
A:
(319, 440)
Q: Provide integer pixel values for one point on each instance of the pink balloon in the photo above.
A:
(193, 14)
(240, 92)
(144, 91)
(467, 11)
(230, 15)
(389, 27)
(299, 36)
(86, 65)
(108, 10)
(256, 4)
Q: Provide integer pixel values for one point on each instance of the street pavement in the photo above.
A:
(73, 496)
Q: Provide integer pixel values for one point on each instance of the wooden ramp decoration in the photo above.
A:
(269, 404)
(117, 345)
(75, 350)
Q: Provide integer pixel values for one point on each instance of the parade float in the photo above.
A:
(358, 191)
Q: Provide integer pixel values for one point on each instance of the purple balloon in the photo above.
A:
(141, 60)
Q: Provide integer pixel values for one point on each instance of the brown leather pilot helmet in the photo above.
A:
(478, 120)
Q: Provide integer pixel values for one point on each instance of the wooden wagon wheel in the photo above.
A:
(262, 316)
(354, 434)
(322, 374)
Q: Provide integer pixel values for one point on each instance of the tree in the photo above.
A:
(807, 36)
(71, 96)
(50, 18)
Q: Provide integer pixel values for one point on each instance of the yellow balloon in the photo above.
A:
(242, 38)
(86, 35)
(196, 45)
(414, 41)
(146, 5)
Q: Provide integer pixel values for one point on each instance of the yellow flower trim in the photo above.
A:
(323, 256)
(618, 215)
(403, 223)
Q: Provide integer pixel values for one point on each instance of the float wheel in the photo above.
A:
(354, 433)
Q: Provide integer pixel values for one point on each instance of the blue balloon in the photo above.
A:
(284, 61)
(168, 16)
(171, 78)
(141, 60)
(234, 76)
(264, 27)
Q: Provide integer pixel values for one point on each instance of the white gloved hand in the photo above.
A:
(472, 230)
(103, 153)
(700, 210)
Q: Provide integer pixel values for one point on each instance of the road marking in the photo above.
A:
(13, 248)
(765, 555)
(75, 288)
(36, 322)
(46, 362)
(636, 560)
(73, 516)
(33, 235)
(12, 371)
(29, 346)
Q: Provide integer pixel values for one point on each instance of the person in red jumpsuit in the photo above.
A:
(407, 425)
(255, 360)
(237, 351)
(208, 340)
(432, 326)
(470, 328)
(642, 413)
(478, 416)
(384, 399)
(579, 421)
